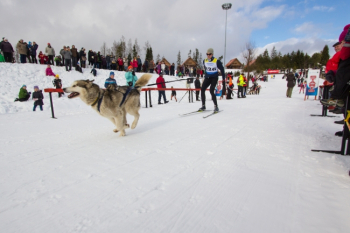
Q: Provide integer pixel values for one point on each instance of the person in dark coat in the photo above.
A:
(82, 56)
(139, 64)
(197, 85)
(94, 72)
(7, 49)
(33, 52)
(91, 58)
(108, 61)
(58, 84)
(78, 68)
(38, 98)
(146, 66)
(290, 84)
(172, 69)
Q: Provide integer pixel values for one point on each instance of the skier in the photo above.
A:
(211, 66)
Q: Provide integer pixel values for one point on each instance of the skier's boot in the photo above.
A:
(216, 109)
(202, 109)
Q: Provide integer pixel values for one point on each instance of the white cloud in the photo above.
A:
(323, 8)
(307, 28)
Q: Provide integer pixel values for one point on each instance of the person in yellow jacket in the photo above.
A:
(240, 82)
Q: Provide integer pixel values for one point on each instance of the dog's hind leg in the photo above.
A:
(114, 123)
(136, 115)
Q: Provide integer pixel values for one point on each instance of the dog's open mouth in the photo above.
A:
(73, 95)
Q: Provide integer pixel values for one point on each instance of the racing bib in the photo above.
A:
(211, 66)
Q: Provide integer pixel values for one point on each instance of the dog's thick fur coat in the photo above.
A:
(110, 108)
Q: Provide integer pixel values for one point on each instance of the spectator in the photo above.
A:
(290, 84)
(41, 57)
(33, 52)
(197, 85)
(111, 81)
(172, 69)
(2, 59)
(120, 64)
(67, 55)
(29, 50)
(173, 94)
(78, 68)
(99, 60)
(82, 55)
(108, 61)
(162, 67)
(22, 50)
(135, 64)
(146, 64)
(50, 53)
(58, 60)
(7, 50)
(303, 87)
(139, 63)
(114, 65)
(230, 86)
(130, 77)
(240, 82)
(23, 94)
(103, 63)
(62, 54)
(94, 72)
(151, 66)
(245, 86)
(74, 56)
(161, 84)
(159, 68)
(91, 58)
(38, 98)
(125, 62)
(57, 82)
(48, 71)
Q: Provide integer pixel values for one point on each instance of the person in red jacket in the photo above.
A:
(120, 64)
(41, 57)
(49, 72)
(161, 84)
(135, 64)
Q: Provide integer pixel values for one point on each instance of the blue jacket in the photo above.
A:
(130, 78)
(219, 66)
(139, 61)
(110, 81)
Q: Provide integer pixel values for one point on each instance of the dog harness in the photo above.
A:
(98, 101)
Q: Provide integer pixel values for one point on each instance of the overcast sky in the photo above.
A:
(176, 25)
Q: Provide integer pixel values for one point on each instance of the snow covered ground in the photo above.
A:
(247, 169)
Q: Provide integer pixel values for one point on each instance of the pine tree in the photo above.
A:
(178, 62)
(129, 58)
(324, 55)
(150, 53)
(189, 53)
(158, 58)
(137, 48)
(134, 52)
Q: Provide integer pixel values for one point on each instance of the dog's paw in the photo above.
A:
(115, 130)
(127, 125)
(122, 133)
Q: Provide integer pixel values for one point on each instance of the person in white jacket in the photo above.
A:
(50, 53)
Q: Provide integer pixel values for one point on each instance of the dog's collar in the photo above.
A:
(96, 99)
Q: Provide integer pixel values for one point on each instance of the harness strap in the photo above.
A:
(125, 95)
(99, 103)
(96, 99)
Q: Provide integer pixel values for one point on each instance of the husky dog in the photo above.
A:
(111, 103)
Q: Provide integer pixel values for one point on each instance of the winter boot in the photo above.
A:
(216, 109)
(202, 109)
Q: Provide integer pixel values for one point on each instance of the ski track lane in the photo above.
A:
(248, 169)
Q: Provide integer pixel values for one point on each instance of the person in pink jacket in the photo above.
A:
(135, 64)
(49, 71)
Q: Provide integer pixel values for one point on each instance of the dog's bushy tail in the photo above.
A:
(142, 81)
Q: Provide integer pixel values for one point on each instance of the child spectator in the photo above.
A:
(78, 68)
(38, 98)
(49, 71)
(302, 87)
(41, 57)
(111, 81)
(130, 77)
(94, 72)
(173, 94)
(58, 60)
(23, 94)
(58, 84)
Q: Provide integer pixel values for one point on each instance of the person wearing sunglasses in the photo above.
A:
(211, 66)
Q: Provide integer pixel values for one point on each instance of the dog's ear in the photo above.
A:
(92, 80)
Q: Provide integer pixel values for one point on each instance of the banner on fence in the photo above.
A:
(312, 83)
(218, 89)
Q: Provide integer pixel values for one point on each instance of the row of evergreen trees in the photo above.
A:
(294, 60)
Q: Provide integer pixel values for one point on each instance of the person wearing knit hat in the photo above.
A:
(23, 94)
(38, 98)
(211, 67)
(111, 81)
(130, 77)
